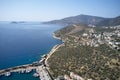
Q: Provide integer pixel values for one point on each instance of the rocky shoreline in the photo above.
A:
(52, 51)
(56, 37)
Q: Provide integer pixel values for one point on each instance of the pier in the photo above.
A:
(22, 68)
(41, 70)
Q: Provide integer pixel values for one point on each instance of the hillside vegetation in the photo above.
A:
(71, 29)
(97, 63)
(81, 55)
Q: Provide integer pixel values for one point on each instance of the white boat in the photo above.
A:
(36, 75)
(7, 74)
(28, 70)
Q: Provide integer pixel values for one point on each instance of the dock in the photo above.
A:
(41, 70)
(22, 68)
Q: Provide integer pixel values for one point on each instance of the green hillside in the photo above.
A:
(79, 56)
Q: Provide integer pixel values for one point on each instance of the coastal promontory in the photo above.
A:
(85, 54)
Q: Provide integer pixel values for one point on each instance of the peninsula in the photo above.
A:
(87, 53)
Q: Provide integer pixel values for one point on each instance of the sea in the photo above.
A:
(24, 43)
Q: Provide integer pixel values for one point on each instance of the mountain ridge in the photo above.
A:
(87, 19)
(110, 22)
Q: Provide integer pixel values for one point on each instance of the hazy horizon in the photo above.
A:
(46, 10)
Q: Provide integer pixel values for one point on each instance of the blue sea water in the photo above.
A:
(24, 43)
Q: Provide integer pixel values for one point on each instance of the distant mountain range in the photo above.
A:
(87, 19)
(109, 22)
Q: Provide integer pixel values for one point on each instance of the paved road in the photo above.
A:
(44, 75)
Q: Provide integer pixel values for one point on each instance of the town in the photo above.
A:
(95, 38)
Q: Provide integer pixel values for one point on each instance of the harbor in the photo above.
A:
(21, 69)
(38, 67)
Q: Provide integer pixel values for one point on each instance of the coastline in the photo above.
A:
(55, 47)
(56, 37)
(44, 49)
(45, 69)
(52, 51)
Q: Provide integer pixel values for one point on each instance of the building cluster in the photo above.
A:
(72, 76)
(94, 39)
(113, 38)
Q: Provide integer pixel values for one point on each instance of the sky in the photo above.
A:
(45, 10)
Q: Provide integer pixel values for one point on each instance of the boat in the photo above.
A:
(7, 74)
(36, 75)
(28, 70)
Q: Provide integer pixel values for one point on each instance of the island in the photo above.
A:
(17, 22)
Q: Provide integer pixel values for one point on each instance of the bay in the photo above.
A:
(25, 43)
